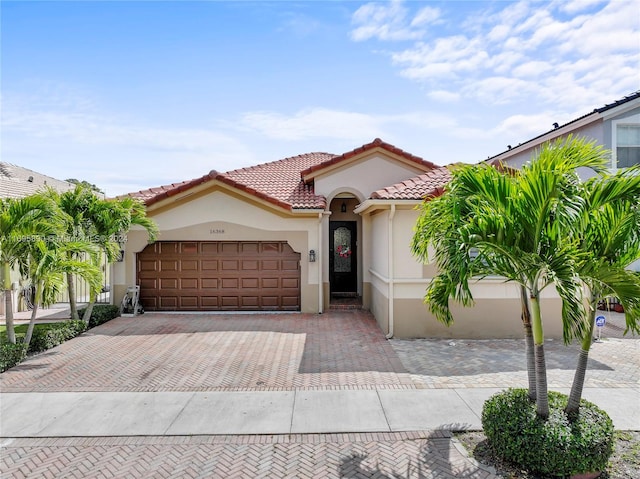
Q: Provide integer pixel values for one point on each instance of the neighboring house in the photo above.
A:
(615, 126)
(18, 182)
(300, 233)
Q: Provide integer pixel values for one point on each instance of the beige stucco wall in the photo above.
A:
(366, 175)
(219, 216)
(496, 313)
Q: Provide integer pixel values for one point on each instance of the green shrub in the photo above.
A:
(11, 354)
(49, 335)
(555, 447)
(101, 314)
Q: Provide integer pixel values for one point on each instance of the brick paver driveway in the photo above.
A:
(208, 352)
(160, 352)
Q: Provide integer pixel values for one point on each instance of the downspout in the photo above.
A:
(392, 213)
(319, 260)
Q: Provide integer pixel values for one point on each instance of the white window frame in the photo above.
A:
(633, 120)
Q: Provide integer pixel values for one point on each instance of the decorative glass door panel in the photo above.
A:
(342, 257)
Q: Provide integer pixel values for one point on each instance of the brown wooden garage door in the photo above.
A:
(219, 275)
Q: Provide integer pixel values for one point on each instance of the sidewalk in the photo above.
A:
(88, 414)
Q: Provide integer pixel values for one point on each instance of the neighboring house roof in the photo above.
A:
(429, 184)
(18, 182)
(288, 182)
(566, 128)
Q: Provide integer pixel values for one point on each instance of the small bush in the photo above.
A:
(101, 314)
(555, 447)
(11, 354)
(47, 336)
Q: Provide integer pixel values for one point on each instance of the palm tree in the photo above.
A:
(22, 220)
(75, 205)
(110, 221)
(521, 225)
(47, 263)
(610, 232)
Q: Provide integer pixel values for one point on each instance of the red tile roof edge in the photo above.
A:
(376, 143)
(387, 193)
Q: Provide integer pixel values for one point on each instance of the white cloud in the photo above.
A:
(444, 96)
(315, 123)
(336, 124)
(574, 6)
(556, 53)
(390, 21)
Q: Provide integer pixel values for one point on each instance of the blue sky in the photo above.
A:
(130, 95)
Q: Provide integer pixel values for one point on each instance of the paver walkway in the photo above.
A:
(279, 352)
(417, 455)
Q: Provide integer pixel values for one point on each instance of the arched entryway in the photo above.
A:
(343, 251)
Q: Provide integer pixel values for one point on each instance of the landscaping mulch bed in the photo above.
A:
(624, 463)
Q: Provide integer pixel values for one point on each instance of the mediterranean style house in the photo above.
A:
(301, 233)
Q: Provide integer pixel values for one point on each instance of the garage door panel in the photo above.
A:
(168, 302)
(148, 265)
(250, 265)
(236, 275)
(188, 247)
(270, 265)
(229, 248)
(289, 265)
(229, 301)
(210, 302)
(209, 265)
(168, 265)
(189, 283)
(189, 265)
(189, 302)
(229, 283)
(290, 283)
(209, 248)
(168, 283)
(229, 265)
(166, 247)
(250, 283)
(270, 283)
(210, 283)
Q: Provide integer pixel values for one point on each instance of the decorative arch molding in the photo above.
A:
(341, 191)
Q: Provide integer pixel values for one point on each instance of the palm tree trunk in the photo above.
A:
(34, 313)
(71, 288)
(8, 301)
(542, 395)
(528, 340)
(573, 404)
(87, 312)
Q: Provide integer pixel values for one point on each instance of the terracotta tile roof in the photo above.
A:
(153, 195)
(18, 182)
(419, 187)
(281, 182)
(277, 182)
(377, 143)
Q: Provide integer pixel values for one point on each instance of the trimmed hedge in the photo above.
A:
(101, 314)
(49, 335)
(11, 354)
(555, 447)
